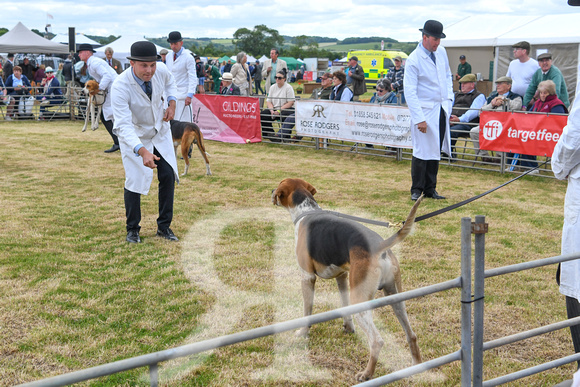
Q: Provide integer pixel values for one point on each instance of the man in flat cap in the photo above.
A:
(105, 75)
(163, 54)
(502, 99)
(396, 76)
(522, 68)
(467, 98)
(142, 124)
(355, 78)
(545, 72)
(182, 65)
(429, 94)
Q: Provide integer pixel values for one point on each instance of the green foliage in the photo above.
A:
(259, 40)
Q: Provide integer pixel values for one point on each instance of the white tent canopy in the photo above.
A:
(21, 40)
(79, 39)
(122, 48)
(263, 59)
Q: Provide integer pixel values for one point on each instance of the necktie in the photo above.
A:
(174, 56)
(148, 89)
(432, 55)
(110, 63)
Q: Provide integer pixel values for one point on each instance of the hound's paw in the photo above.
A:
(363, 376)
(302, 332)
(348, 327)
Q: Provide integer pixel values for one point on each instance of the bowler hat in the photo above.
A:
(523, 44)
(545, 55)
(468, 78)
(143, 51)
(174, 37)
(85, 47)
(433, 28)
(573, 2)
(503, 79)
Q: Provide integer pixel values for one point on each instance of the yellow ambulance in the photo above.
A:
(376, 63)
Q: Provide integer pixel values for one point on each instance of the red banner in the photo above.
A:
(227, 118)
(524, 133)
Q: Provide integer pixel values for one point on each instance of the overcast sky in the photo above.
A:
(220, 18)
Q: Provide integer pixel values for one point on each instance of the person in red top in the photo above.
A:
(548, 101)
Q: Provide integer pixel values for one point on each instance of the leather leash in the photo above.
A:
(418, 218)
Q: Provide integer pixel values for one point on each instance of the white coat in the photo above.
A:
(139, 120)
(105, 75)
(427, 89)
(185, 74)
(566, 164)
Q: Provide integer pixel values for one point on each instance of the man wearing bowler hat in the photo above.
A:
(142, 124)
(182, 65)
(105, 75)
(429, 94)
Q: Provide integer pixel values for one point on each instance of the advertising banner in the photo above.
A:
(386, 125)
(529, 134)
(227, 118)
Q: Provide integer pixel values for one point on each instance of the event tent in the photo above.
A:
(486, 42)
(21, 40)
(122, 48)
(224, 58)
(292, 63)
(79, 39)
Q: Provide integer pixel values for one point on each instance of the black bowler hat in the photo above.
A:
(85, 47)
(433, 28)
(143, 51)
(574, 2)
(174, 37)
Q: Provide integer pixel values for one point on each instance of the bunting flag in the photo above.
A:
(49, 16)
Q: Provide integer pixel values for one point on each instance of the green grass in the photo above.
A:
(76, 295)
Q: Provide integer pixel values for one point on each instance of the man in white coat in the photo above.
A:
(429, 94)
(105, 75)
(181, 63)
(566, 165)
(271, 67)
(142, 125)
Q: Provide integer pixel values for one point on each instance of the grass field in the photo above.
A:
(76, 295)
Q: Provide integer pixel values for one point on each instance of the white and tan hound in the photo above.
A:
(329, 246)
(95, 101)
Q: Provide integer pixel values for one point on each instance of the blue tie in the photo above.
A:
(148, 89)
(432, 55)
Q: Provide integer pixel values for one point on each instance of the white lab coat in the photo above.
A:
(185, 74)
(427, 89)
(139, 120)
(566, 164)
(105, 75)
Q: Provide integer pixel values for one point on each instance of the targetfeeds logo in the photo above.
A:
(492, 130)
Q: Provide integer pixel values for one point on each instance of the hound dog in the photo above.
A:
(95, 101)
(329, 246)
(186, 134)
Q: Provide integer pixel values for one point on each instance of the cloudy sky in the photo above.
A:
(220, 18)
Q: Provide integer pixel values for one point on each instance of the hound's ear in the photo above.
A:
(311, 189)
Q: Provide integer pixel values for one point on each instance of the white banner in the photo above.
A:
(366, 123)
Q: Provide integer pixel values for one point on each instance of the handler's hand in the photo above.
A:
(422, 126)
(169, 112)
(187, 101)
(148, 158)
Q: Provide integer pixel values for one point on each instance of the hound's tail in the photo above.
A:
(403, 232)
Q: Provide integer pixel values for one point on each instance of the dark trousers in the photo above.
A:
(424, 172)
(524, 160)
(258, 85)
(573, 309)
(166, 178)
(109, 127)
(459, 130)
(267, 119)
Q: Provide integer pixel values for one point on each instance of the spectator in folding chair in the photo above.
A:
(280, 104)
(502, 99)
(51, 91)
(467, 97)
(17, 86)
